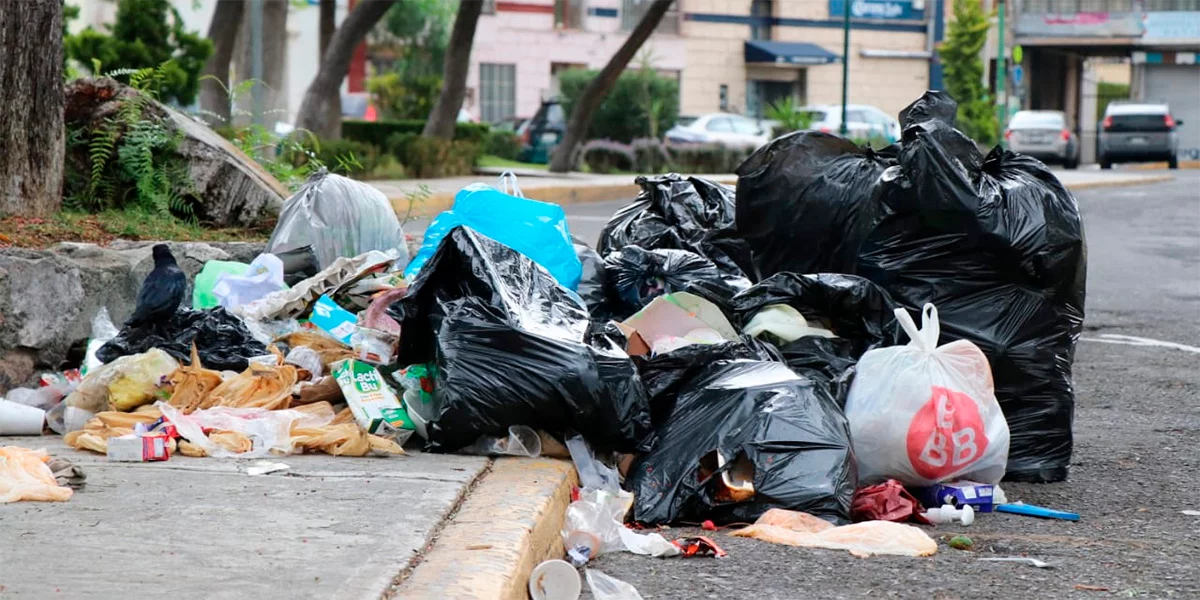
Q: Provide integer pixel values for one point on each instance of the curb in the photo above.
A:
(565, 195)
(508, 524)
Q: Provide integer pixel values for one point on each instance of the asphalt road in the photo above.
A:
(1136, 464)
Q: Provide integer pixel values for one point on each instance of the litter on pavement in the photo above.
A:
(722, 356)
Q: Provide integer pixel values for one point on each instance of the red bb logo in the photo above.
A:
(946, 435)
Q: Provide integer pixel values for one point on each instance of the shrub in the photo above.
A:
(405, 98)
(607, 156)
(348, 157)
(146, 34)
(377, 133)
(625, 113)
(789, 115)
(706, 158)
(651, 156)
(432, 157)
(504, 144)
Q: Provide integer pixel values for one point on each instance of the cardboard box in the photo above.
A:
(373, 403)
(958, 493)
(139, 448)
(333, 319)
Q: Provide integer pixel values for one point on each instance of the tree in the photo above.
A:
(593, 95)
(326, 25)
(454, 73)
(417, 32)
(31, 107)
(963, 65)
(214, 83)
(141, 37)
(274, 56)
(335, 63)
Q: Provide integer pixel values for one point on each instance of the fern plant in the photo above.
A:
(131, 159)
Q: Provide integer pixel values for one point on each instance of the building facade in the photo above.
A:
(729, 55)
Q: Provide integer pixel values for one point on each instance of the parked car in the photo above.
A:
(1044, 135)
(1138, 133)
(863, 121)
(542, 133)
(732, 130)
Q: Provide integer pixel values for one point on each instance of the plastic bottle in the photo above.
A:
(949, 514)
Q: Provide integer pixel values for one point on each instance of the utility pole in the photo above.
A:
(256, 58)
(1001, 68)
(844, 129)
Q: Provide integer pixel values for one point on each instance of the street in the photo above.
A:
(1134, 468)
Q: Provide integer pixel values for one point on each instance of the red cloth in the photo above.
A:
(887, 501)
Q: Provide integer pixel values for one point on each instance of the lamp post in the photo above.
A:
(1001, 68)
(256, 59)
(845, 62)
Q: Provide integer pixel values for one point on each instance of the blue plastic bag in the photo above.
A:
(536, 229)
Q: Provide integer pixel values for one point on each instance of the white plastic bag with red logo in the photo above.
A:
(924, 413)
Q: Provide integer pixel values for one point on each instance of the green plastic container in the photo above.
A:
(206, 280)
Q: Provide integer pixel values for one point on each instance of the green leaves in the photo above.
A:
(963, 67)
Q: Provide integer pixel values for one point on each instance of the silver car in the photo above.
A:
(1138, 133)
(1043, 134)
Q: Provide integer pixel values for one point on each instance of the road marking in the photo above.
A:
(1130, 340)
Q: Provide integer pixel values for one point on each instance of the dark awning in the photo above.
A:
(788, 53)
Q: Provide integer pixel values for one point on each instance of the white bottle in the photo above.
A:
(948, 514)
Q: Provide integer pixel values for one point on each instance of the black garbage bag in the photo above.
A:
(593, 285)
(808, 199)
(997, 244)
(665, 374)
(222, 340)
(855, 309)
(636, 276)
(512, 348)
(778, 429)
(681, 213)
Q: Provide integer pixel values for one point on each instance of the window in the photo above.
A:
(723, 98)
(632, 12)
(720, 125)
(856, 116)
(760, 19)
(568, 14)
(498, 91)
(761, 94)
(745, 127)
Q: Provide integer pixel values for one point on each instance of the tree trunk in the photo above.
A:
(593, 95)
(454, 73)
(327, 25)
(274, 64)
(214, 87)
(314, 110)
(31, 107)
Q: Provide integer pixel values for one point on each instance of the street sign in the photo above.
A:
(1018, 73)
(1018, 54)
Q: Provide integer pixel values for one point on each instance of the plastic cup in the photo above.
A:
(19, 419)
(582, 546)
(555, 580)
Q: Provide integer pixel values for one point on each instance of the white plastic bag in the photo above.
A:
(925, 414)
(338, 217)
(103, 330)
(607, 587)
(264, 276)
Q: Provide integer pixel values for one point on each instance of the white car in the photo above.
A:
(863, 121)
(731, 130)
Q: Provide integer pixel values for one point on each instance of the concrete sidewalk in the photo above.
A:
(574, 188)
(331, 527)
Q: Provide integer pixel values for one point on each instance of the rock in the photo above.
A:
(48, 297)
(229, 188)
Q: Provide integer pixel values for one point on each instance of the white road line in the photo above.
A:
(1130, 340)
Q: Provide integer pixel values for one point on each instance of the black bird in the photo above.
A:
(162, 291)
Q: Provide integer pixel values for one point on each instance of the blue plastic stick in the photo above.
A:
(1037, 511)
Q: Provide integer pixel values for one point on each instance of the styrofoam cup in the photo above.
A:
(19, 419)
(555, 580)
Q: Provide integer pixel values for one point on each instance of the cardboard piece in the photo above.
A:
(139, 448)
(334, 320)
(372, 402)
(675, 320)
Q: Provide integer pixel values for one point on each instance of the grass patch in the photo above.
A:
(492, 161)
(102, 228)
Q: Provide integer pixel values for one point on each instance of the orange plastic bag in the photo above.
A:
(25, 476)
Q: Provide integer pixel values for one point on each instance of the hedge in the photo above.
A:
(376, 133)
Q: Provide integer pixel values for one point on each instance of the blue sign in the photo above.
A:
(891, 10)
(1018, 74)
